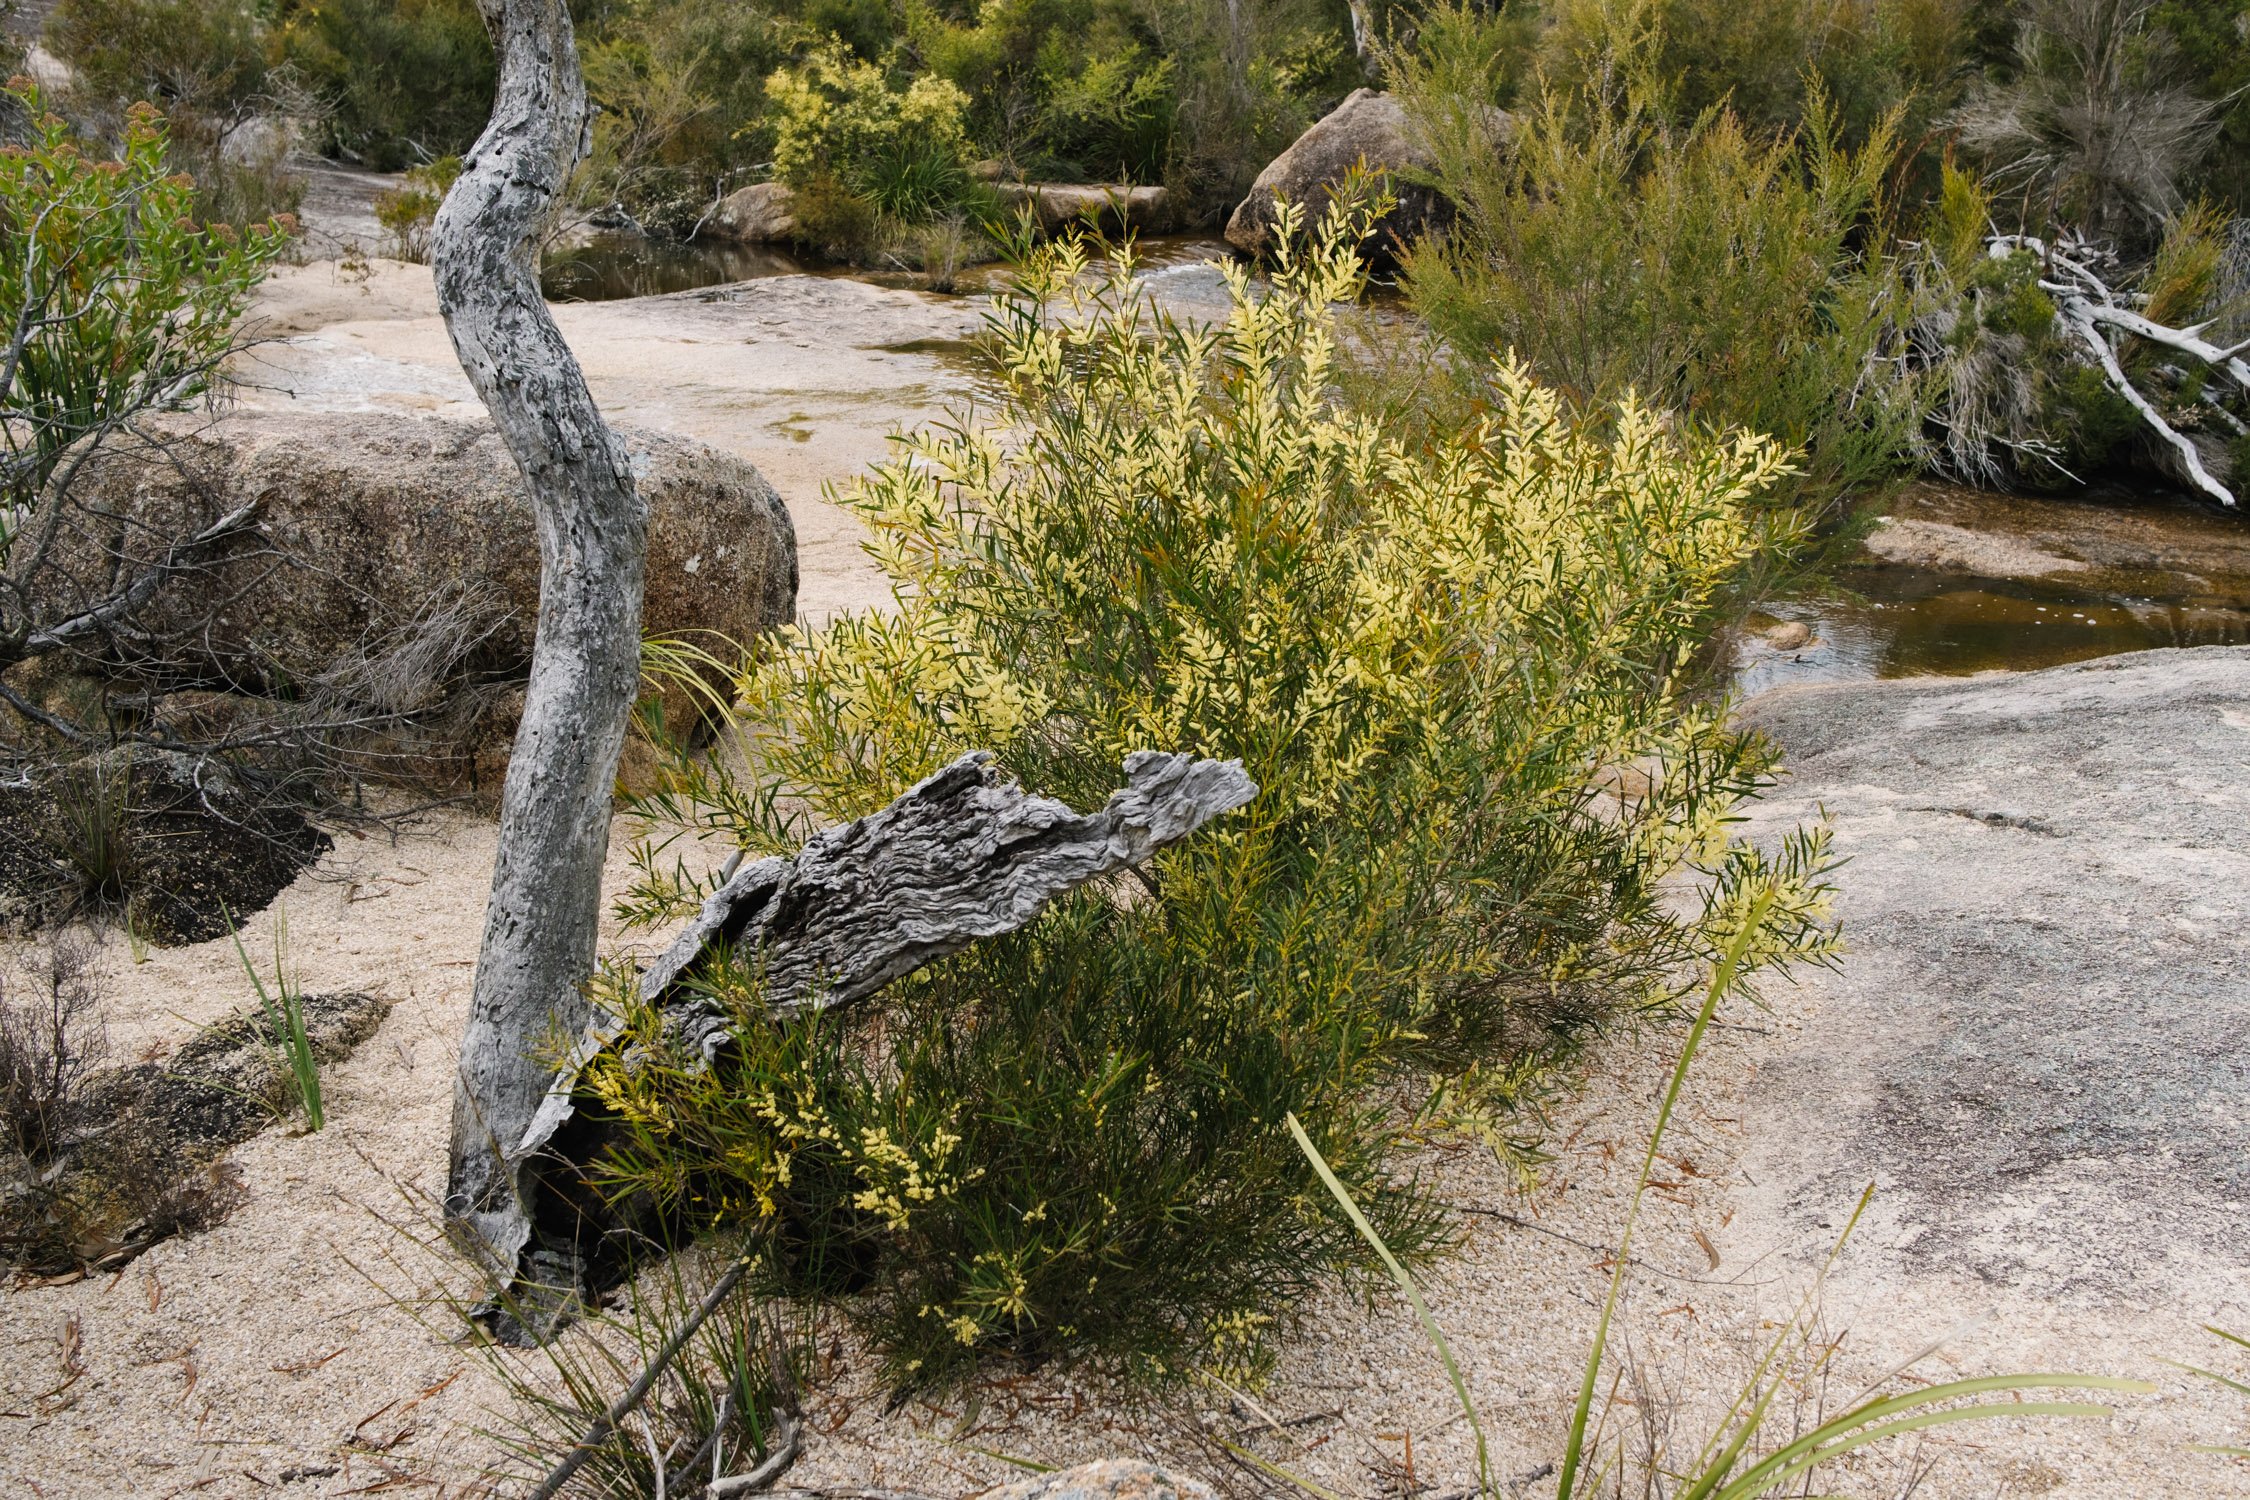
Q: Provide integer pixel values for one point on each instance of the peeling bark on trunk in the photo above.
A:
(540, 923)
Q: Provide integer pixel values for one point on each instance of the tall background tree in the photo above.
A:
(540, 924)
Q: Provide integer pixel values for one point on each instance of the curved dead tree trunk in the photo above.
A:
(540, 923)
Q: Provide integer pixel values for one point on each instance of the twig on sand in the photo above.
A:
(606, 1423)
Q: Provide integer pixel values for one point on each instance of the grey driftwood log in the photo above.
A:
(542, 917)
(961, 855)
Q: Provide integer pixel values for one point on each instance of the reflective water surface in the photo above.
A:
(2109, 573)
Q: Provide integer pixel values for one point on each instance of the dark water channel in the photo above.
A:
(612, 265)
(1983, 582)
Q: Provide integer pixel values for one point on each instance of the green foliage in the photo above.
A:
(1735, 278)
(726, 1401)
(401, 80)
(680, 90)
(122, 303)
(1454, 669)
(1774, 63)
(95, 838)
(2096, 124)
(2019, 399)
(409, 210)
(205, 56)
(281, 1014)
(2211, 47)
(903, 149)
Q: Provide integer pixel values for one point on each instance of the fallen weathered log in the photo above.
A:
(2086, 306)
(960, 856)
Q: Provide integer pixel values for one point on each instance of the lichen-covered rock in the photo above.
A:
(756, 215)
(1370, 127)
(1057, 205)
(366, 521)
(1107, 1479)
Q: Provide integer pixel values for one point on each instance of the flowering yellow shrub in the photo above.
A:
(834, 113)
(1458, 671)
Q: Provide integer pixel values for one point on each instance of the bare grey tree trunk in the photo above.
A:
(540, 923)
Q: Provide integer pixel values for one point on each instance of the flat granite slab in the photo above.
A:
(2038, 1045)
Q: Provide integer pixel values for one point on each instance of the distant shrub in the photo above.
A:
(833, 220)
(401, 81)
(680, 90)
(206, 56)
(209, 68)
(408, 211)
(1739, 279)
(1768, 61)
(154, 296)
(1454, 668)
(903, 149)
(2020, 398)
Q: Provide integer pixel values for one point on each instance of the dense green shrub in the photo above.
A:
(400, 81)
(2210, 45)
(679, 88)
(121, 301)
(837, 115)
(1768, 60)
(205, 56)
(2097, 124)
(2017, 398)
(208, 67)
(1737, 278)
(409, 211)
(1454, 669)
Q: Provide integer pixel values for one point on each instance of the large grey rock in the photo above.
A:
(2038, 1043)
(1056, 205)
(363, 519)
(1371, 127)
(756, 215)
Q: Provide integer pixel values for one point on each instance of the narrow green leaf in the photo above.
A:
(1406, 1285)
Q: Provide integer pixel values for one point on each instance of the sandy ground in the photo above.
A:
(283, 1351)
(284, 1348)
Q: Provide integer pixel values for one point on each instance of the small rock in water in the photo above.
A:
(1790, 635)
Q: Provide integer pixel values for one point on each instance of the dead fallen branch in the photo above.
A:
(960, 856)
(2095, 314)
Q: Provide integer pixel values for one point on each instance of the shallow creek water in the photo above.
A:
(1955, 581)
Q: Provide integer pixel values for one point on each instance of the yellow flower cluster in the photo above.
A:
(1286, 581)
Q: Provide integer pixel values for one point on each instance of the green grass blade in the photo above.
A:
(1722, 979)
(2238, 1387)
(1405, 1284)
(1877, 1413)
(1761, 1480)
(1278, 1472)
(1758, 1392)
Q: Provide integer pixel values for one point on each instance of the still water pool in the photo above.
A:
(2136, 571)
